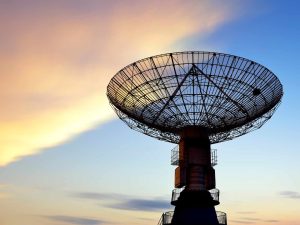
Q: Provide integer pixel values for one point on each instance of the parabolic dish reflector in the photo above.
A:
(226, 95)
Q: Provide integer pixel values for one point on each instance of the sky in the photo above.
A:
(65, 157)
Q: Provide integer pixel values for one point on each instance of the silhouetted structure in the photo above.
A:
(194, 99)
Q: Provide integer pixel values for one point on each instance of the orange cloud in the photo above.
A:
(56, 60)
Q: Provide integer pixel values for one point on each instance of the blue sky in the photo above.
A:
(58, 173)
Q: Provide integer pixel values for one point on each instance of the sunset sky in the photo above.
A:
(65, 158)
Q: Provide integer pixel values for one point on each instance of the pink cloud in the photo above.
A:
(57, 58)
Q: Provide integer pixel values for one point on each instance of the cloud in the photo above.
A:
(125, 202)
(145, 219)
(242, 221)
(100, 196)
(290, 194)
(258, 219)
(56, 58)
(142, 205)
(252, 220)
(246, 212)
(75, 220)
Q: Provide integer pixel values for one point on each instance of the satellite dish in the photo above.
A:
(194, 99)
(226, 95)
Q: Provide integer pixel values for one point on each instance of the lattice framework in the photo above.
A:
(227, 95)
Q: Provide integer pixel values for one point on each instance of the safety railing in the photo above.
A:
(166, 218)
(175, 194)
(222, 218)
(215, 194)
(214, 158)
(175, 156)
